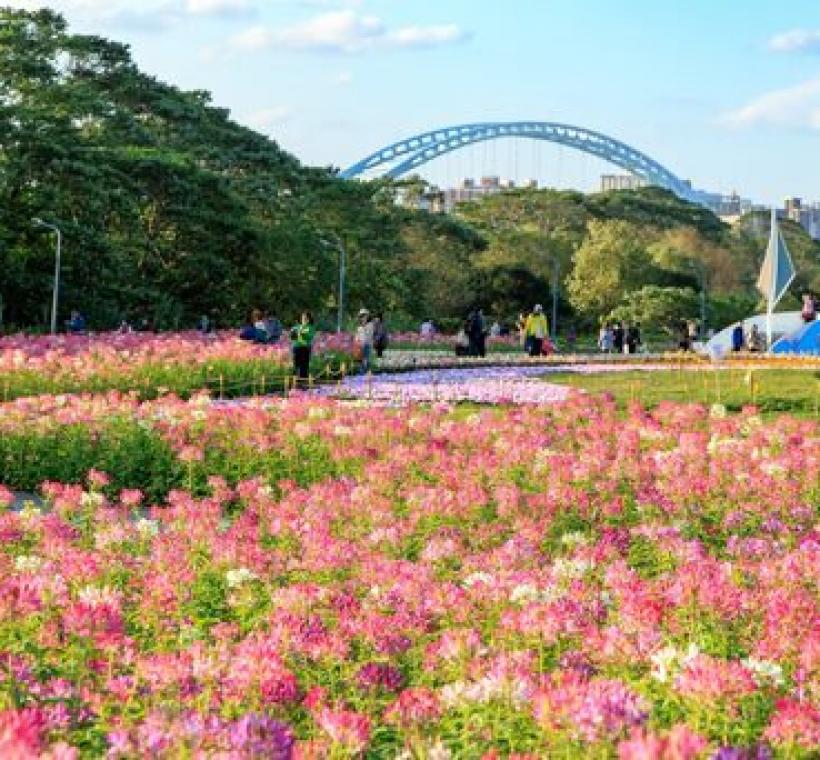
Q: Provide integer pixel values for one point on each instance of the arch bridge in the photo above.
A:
(408, 155)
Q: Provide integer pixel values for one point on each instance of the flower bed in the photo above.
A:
(515, 385)
(408, 359)
(153, 364)
(441, 341)
(541, 581)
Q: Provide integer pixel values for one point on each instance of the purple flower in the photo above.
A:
(260, 736)
(376, 675)
(756, 752)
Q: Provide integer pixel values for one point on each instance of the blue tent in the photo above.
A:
(805, 341)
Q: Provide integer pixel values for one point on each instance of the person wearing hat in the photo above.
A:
(536, 330)
(364, 339)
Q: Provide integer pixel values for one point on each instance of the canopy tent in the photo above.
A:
(776, 275)
(783, 323)
(805, 341)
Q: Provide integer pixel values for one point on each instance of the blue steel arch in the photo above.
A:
(411, 153)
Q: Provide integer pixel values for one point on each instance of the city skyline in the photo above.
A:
(728, 100)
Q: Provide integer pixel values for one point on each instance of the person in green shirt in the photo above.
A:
(301, 338)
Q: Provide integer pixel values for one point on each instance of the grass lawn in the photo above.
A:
(772, 390)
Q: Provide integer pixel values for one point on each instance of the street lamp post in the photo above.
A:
(701, 272)
(342, 264)
(555, 273)
(55, 295)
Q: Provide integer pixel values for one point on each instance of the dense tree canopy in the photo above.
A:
(171, 210)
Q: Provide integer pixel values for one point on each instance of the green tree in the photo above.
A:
(610, 263)
(658, 307)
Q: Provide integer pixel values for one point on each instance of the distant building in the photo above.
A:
(730, 208)
(621, 182)
(438, 201)
(807, 215)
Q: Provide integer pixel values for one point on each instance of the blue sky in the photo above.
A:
(726, 93)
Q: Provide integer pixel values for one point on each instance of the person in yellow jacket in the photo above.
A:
(536, 330)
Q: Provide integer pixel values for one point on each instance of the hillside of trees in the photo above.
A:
(171, 210)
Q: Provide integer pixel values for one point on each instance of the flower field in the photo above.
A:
(153, 364)
(309, 578)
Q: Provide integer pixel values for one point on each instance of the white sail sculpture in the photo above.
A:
(776, 274)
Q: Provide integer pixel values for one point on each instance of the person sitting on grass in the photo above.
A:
(76, 325)
(248, 329)
(273, 329)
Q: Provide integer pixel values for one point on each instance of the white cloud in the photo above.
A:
(797, 106)
(148, 14)
(424, 36)
(796, 41)
(266, 119)
(343, 78)
(346, 31)
(254, 38)
(219, 7)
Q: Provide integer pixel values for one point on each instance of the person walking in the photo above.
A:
(379, 335)
(537, 330)
(364, 339)
(301, 338)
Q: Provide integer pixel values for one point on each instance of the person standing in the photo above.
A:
(521, 326)
(537, 330)
(605, 339)
(364, 339)
(572, 338)
(618, 337)
(462, 344)
(633, 338)
(737, 338)
(693, 332)
(756, 342)
(477, 334)
(427, 331)
(809, 310)
(301, 338)
(379, 335)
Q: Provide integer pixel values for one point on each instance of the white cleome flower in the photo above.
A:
(236, 578)
(147, 528)
(27, 563)
(765, 672)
